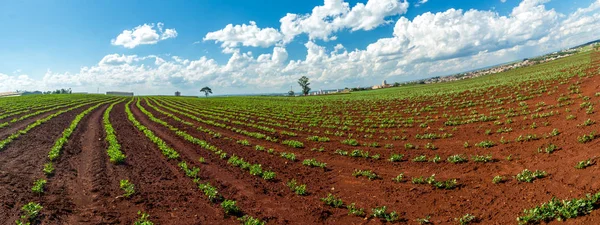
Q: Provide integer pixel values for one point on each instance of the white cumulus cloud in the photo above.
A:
(431, 44)
(116, 59)
(247, 35)
(17, 82)
(456, 33)
(143, 35)
(335, 15)
(321, 23)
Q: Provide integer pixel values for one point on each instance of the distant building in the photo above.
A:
(9, 94)
(118, 93)
(177, 93)
(384, 84)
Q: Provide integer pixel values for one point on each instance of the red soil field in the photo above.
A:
(85, 187)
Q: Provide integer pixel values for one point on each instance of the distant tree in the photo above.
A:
(206, 91)
(303, 82)
(291, 93)
(59, 91)
(396, 84)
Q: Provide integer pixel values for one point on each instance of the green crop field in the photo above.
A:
(513, 147)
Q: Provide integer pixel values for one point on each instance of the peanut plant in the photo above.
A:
(332, 201)
(381, 213)
(29, 213)
(457, 159)
(529, 176)
(48, 169)
(396, 157)
(314, 163)
(560, 210)
(299, 189)
(498, 179)
(143, 220)
(127, 187)
(584, 164)
(466, 219)
(248, 220)
(38, 186)
(365, 173)
(230, 207)
(353, 210)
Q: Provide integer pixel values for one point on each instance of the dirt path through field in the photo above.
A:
(82, 164)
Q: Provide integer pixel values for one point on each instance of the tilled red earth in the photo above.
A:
(21, 163)
(477, 195)
(85, 187)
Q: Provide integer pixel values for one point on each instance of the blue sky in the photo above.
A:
(61, 44)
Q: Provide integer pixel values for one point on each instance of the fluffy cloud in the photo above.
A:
(336, 15)
(431, 44)
(371, 15)
(421, 2)
(321, 23)
(247, 35)
(455, 33)
(143, 35)
(17, 82)
(116, 59)
(580, 26)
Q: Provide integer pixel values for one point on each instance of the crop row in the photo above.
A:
(240, 162)
(40, 105)
(217, 124)
(38, 122)
(2, 125)
(226, 117)
(31, 210)
(267, 175)
(393, 158)
(114, 148)
(229, 206)
(30, 103)
(301, 189)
